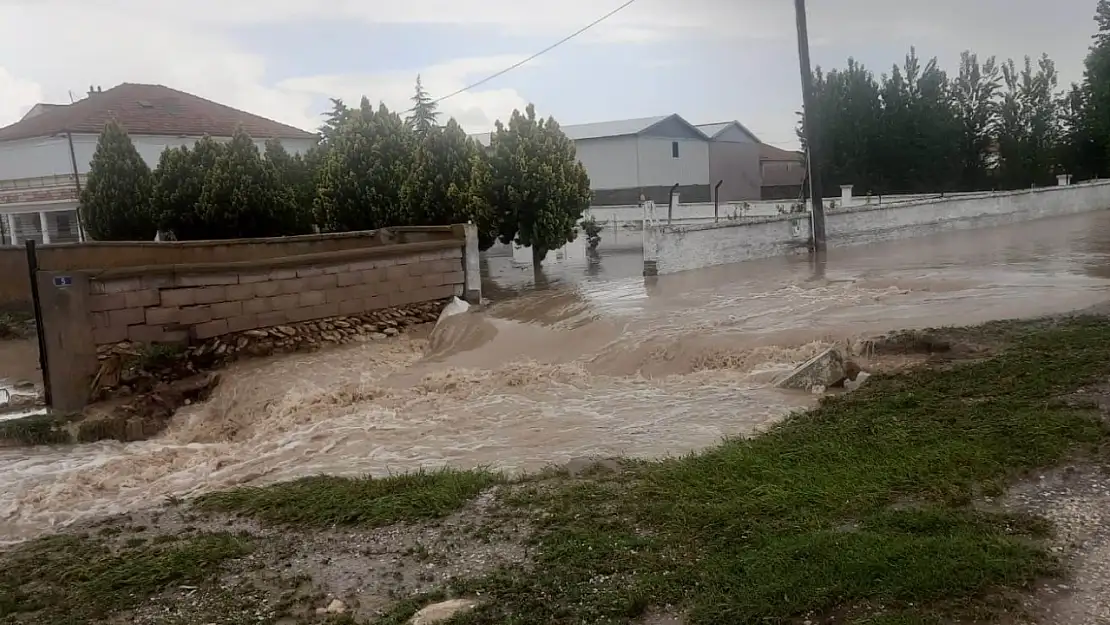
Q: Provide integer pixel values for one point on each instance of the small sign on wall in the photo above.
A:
(63, 281)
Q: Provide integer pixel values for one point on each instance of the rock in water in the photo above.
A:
(824, 369)
(455, 307)
(442, 611)
(852, 385)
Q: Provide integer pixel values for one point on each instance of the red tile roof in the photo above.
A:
(149, 110)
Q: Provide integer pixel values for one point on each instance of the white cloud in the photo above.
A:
(475, 110)
(190, 45)
(107, 47)
(17, 96)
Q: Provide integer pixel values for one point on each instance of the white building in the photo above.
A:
(646, 156)
(44, 157)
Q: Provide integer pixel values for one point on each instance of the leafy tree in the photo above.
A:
(1028, 128)
(919, 132)
(540, 189)
(242, 196)
(178, 184)
(115, 201)
(450, 182)
(1097, 90)
(846, 111)
(361, 177)
(975, 91)
(424, 115)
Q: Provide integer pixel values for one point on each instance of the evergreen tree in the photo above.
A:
(540, 189)
(363, 172)
(115, 201)
(294, 173)
(424, 115)
(335, 118)
(242, 197)
(178, 184)
(449, 183)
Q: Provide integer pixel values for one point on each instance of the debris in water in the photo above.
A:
(823, 370)
(455, 307)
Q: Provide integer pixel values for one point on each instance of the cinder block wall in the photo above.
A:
(178, 304)
(15, 287)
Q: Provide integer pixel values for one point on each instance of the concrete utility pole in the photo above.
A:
(808, 130)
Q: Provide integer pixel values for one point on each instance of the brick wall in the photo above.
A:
(196, 302)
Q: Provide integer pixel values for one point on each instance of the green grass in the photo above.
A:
(70, 580)
(861, 503)
(368, 502)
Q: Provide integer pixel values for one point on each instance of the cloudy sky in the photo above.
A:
(708, 60)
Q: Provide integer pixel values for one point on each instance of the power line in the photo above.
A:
(538, 54)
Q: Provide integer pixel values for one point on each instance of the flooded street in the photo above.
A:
(593, 360)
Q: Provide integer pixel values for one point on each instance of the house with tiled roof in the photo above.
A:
(45, 155)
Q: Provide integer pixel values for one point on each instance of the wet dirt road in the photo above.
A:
(592, 360)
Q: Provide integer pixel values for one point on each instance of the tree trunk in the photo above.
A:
(538, 254)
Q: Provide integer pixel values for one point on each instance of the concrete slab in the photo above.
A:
(823, 370)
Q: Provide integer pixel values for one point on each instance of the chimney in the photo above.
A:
(98, 89)
(91, 91)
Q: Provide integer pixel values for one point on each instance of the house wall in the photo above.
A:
(670, 249)
(50, 156)
(15, 289)
(659, 168)
(611, 162)
(737, 164)
(623, 168)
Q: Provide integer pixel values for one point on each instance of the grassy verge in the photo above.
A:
(858, 509)
(79, 579)
(326, 501)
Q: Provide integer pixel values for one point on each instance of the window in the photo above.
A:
(674, 149)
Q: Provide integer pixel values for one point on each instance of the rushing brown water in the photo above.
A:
(593, 361)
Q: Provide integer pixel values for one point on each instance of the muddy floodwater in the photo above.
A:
(591, 360)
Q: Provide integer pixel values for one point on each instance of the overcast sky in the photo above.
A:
(708, 60)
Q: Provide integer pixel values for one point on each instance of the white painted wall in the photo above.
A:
(683, 247)
(658, 167)
(49, 156)
(610, 162)
(629, 162)
(31, 158)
